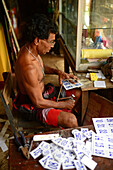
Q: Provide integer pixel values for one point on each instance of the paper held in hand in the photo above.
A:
(68, 85)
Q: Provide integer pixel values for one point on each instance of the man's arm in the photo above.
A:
(33, 90)
(62, 75)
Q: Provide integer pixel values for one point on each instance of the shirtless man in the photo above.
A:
(29, 70)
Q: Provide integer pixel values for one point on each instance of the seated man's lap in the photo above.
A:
(49, 115)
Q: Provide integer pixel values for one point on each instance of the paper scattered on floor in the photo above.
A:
(4, 137)
(3, 146)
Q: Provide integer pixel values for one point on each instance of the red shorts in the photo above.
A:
(23, 104)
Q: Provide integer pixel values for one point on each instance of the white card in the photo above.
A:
(44, 159)
(58, 156)
(74, 130)
(63, 142)
(76, 143)
(79, 165)
(69, 146)
(79, 153)
(36, 152)
(3, 146)
(86, 151)
(46, 152)
(71, 155)
(66, 160)
(70, 139)
(84, 130)
(51, 164)
(69, 165)
(99, 84)
(88, 162)
(89, 134)
(57, 140)
(89, 145)
(78, 136)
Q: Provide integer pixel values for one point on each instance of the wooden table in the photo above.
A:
(17, 162)
(86, 88)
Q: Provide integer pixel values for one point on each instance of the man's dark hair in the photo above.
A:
(39, 26)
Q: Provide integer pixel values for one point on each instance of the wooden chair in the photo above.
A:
(16, 121)
(5, 97)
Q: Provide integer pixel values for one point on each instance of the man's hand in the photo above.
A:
(69, 104)
(63, 75)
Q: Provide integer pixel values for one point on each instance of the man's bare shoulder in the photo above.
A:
(24, 60)
(24, 67)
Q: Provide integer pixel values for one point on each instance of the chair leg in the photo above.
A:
(9, 114)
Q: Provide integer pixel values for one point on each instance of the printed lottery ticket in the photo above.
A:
(45, 158)
(38, 151)
(79, 165)
(68, 165)
(102, 146)
(68, 85)
(89, 162)
(66, 152)
(103, 125)
(51, 164)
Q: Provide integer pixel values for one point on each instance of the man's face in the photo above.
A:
(45, 45)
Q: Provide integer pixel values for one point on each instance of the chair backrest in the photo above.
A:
(8, 87)
(5, 97)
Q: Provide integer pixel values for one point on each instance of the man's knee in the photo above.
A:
(66, 119)
(72, 121)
